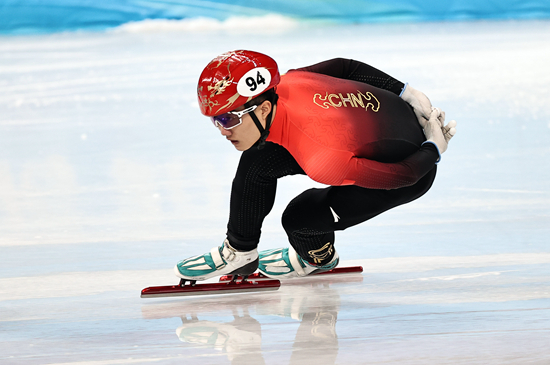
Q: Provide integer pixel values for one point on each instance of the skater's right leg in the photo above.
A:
(253, 191)
(252, 197)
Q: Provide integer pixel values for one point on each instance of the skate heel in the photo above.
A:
(246, 269)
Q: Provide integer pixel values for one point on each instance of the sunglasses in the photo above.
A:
(232, 119)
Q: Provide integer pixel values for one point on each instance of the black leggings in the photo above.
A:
(311, 218)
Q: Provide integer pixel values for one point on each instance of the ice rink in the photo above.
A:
(109, 175)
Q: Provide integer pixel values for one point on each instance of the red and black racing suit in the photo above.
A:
(343, 124)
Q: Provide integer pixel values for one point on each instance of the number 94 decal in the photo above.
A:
(254, 82)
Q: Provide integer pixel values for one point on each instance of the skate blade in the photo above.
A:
(336, 271)
(210, 289)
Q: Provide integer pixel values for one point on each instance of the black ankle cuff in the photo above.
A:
(241, 245)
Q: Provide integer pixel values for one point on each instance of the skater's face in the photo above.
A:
(244, 135)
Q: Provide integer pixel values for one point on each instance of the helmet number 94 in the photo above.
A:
(254, 82)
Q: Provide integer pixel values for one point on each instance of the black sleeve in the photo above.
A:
(343, 68)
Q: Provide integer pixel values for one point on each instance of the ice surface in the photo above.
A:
(109, 175)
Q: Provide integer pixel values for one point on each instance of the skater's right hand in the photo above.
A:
(420, 103)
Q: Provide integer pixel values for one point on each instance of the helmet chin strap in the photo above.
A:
(264, 132)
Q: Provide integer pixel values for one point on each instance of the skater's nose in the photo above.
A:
(224, 131)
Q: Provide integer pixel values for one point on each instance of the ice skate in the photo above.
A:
(223, 260)
(285, 263)
(220, 261)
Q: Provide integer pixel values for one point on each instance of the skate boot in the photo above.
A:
(285, 263)
(223, 260)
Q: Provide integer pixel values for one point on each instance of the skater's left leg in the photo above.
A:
(311, 235)
(311, 219)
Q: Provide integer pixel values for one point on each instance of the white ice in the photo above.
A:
(109, 175)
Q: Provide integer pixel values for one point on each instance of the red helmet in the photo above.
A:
(234, 78)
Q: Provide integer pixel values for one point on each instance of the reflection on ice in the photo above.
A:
(240, 339)
(314, 303)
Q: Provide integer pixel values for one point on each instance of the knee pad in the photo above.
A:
(308, 210)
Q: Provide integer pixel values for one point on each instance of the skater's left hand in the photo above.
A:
(438, 134)
(422, 106)
(448, 130)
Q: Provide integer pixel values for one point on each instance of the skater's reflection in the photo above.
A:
(314, 305)
(317, 331)
(241, 339)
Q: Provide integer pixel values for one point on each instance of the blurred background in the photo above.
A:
(103, 141)
(47, 16)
